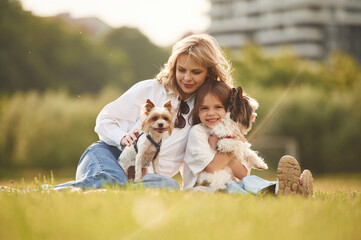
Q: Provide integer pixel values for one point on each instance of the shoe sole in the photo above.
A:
(306, 189)
(288, 175)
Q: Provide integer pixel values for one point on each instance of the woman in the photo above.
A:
(194, 60)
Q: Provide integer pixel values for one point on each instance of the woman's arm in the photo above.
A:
(117, 120)
(130, 138)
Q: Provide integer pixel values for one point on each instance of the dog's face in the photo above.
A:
(157, 119)
(242, 110)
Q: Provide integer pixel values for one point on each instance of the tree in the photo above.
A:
(144, 58)
(40, 53)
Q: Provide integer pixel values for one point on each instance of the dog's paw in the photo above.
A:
(156, 169)
(137, 180)
(138, 176)
(227, 145)
(261, 165)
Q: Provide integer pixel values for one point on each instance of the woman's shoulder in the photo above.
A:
(146, 88)
(148, 83)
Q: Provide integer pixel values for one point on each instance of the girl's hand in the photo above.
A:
(130, 138)
(213, 139)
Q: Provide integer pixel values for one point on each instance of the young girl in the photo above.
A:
(194, 60)
(210, 107)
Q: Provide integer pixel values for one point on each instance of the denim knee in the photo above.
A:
(99, 166)
(159, 181)
(99, 180)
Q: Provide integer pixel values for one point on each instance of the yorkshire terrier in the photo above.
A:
(241, 113)
(157, 122)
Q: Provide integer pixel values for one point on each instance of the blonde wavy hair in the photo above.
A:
(206, 52)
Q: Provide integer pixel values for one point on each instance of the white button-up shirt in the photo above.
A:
(122, 116)
(198, 155)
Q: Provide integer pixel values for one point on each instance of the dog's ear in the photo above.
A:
(170, 129)
(239, 107)
(245, 112)
(145, 126)
(232, 96)
(240, 91)
(246, 108)
(233, 104)
(170, 126)
(147, 107)
(168, 105)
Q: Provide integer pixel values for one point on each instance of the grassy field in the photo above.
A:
(333, 213)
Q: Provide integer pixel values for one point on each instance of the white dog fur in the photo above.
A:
(157, 123)
(229, 131)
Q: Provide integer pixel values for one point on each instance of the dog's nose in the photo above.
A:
(160, 125)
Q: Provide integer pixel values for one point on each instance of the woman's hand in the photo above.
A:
(212, 140)
(130, 138)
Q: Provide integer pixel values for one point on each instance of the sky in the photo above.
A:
(162, 21)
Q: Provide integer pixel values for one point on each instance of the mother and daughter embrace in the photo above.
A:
(197, 82)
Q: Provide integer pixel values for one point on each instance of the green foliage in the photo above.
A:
(317, 104)
(143, 58)
(48, 130)
(253, 67)
(44, 53)
(326, 126)
(40, 54)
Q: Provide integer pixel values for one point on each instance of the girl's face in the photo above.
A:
(211, 111)
(189, 74)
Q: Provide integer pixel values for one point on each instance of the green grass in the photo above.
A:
(334, 213)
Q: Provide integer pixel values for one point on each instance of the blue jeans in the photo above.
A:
(99, 166)
(252, 184)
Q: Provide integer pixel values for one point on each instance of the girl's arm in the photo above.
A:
(221, 160)
(238, 169)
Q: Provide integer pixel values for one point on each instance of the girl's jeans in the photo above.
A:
(252, 184)
(99, 166)
(248, 185)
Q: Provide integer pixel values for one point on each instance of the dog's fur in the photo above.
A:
(158, 121)
(237, 122)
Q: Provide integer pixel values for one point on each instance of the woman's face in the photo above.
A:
(211, 111)
(189, 74)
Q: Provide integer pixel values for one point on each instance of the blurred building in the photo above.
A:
(311, 28)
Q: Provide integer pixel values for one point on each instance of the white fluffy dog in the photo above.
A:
(158, 121)
(237, 122)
